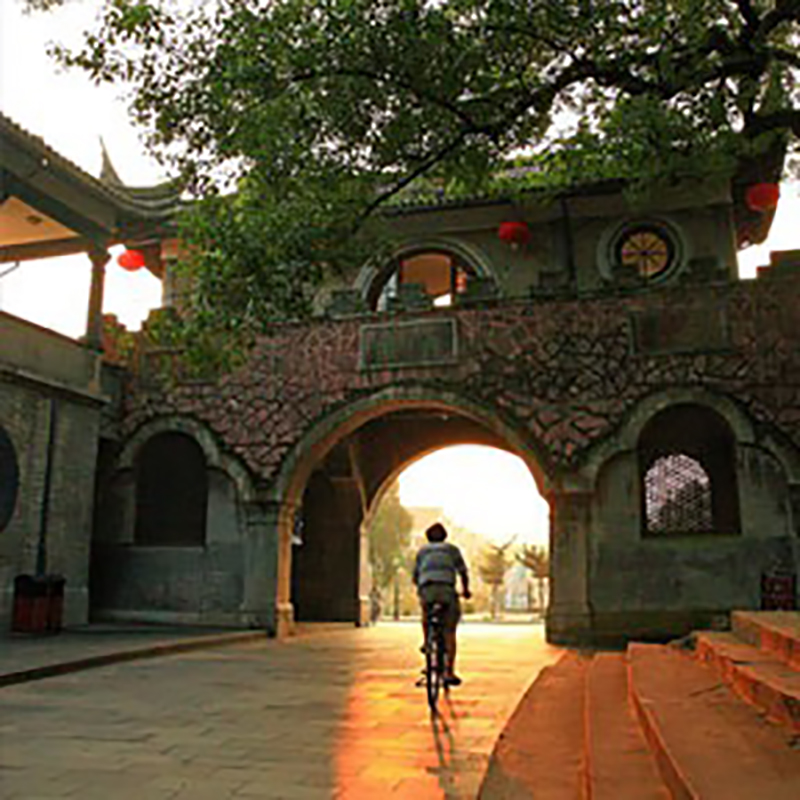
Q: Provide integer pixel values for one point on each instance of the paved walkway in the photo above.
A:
(24, 657)
(332, 713)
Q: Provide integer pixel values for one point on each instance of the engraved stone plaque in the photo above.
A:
(409, 343)
(680, 330)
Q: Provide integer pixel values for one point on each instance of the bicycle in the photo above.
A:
(435, 654)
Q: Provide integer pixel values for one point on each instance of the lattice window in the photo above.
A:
(647, 250)
(678, 496)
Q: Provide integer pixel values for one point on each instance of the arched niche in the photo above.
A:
(436, 270)
(171, 492)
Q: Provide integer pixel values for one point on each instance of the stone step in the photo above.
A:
(618, 764)
(756, 676)
(708, 744)
(539, 754)
(774, 632)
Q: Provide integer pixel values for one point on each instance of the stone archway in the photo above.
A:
(373, 275)
(171, 541)
(659, 564)
(342, 464)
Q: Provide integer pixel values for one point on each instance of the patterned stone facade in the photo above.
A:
(320, 415)
(564, 372)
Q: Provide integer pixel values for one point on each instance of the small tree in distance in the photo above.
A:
(389, 538)
(492, 569)
(536, 558)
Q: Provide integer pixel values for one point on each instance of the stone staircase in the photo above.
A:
(712, 717)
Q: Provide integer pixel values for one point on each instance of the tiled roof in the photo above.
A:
(153, 202)
(161, 202)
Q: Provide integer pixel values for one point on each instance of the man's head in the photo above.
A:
(436, 532)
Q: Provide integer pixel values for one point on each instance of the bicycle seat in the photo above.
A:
(437, 609)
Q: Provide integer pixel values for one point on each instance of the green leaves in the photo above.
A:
(317, 113)
(649, 143)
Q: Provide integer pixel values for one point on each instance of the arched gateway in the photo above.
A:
(671, 474)
(332, 482)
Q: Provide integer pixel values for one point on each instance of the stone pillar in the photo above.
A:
(327, 569)
(364, 578)
(94, 320)
(169, 290)
(350, 518)
(284, 610)
(364, 588)
(569, 617)
(265, 599)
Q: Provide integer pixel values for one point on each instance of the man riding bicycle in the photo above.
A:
(435, 569)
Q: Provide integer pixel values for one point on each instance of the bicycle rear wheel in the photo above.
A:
(434, 666)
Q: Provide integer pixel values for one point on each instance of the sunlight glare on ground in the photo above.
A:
(487, 490)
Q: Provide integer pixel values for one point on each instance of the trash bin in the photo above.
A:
(779, 592)
(38, 603)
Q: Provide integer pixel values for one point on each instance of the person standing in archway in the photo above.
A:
(436, 567)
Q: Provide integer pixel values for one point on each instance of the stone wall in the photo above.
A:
(566, 373)
(45, 376)
(653, 582)
(200, 584)
(567, 377)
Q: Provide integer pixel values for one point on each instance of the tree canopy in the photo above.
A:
(492, 569)
(296, 120)
(536, 558)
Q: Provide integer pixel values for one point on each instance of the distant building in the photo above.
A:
(519, 589)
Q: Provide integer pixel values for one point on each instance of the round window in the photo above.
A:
(9, 479)
(645, 250)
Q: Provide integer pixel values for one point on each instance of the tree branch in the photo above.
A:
(785, 56)
(558, 47)
(420, 169)
(784, 11)
(392, 80)
(749, 15)
(786, 119)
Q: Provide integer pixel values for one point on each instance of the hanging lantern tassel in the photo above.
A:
(514, 233)
(762, 196)
(131, 260)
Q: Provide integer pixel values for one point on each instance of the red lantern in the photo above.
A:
(762, 196)
(131, 260)
(514, 233)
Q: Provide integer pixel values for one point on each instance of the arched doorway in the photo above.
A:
(171, 492)
(323, 571)
(437, 274)
(489, 503)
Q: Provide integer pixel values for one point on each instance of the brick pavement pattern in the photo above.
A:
(332, 713)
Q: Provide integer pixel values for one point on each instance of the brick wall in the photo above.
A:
(25, 408)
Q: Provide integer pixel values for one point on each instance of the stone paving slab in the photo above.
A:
(334, 716)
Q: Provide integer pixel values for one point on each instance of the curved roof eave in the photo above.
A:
(153, 203)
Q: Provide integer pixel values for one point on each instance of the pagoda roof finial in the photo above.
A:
(108, 174)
